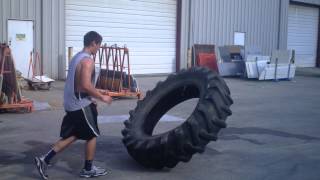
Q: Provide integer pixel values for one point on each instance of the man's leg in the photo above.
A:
(58, 147)
(42, 162)
(90, 150)
(63, 143)
(89, 170)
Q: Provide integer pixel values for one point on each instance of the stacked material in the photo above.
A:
(10, 94)
(10, 91)
(280, 65)
(114, 76)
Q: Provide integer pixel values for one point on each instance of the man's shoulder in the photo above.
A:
(87, 60)
(81, 56)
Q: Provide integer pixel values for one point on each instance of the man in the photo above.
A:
(80, 121)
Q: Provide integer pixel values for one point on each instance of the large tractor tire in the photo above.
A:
(201, 127)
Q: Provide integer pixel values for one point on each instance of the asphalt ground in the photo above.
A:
(273, 134)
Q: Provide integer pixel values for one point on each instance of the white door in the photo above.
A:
(303, 34)
(148, 28)
(20, 39)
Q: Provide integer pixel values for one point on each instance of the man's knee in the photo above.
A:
(92, 139)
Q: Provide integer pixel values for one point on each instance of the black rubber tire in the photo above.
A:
(180, 143)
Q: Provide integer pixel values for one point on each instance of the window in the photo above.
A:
(239, 38)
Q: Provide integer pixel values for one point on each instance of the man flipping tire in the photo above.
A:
(80, 121)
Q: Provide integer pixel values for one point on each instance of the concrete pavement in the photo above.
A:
(273, 134)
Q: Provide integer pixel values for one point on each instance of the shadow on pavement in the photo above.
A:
(233, 133)
(113, 155)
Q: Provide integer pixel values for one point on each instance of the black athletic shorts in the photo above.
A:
(81, 123)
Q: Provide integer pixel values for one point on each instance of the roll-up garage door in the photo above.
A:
(303, 34)
(147, 28)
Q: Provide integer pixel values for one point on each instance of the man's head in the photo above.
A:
(92, 41)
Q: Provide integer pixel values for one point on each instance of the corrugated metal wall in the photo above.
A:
(214, 22)
(20, 9)
(203, 21)
(53, 37)
(48, 17)
(283, 26)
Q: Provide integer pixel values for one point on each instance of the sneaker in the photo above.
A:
(41, 166)
(94, 172)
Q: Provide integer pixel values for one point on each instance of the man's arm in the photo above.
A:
(87, 67)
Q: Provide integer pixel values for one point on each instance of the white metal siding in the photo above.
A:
(148, 29)
(303, 34)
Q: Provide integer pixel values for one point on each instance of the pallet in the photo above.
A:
(122, 93)
(25, 106)
(38, 85)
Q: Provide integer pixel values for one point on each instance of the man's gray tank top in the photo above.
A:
(71, 101)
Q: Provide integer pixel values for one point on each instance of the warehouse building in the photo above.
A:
(158, 33)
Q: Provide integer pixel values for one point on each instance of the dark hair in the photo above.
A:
(90, 37)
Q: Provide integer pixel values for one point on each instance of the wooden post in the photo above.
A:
(189, 58)
(70, 54)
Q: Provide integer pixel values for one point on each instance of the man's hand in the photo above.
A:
(103, 91)
(94, 102)
(106, 99)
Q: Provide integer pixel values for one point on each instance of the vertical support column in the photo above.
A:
(283, 24)
(318, 44)
(178, 34)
